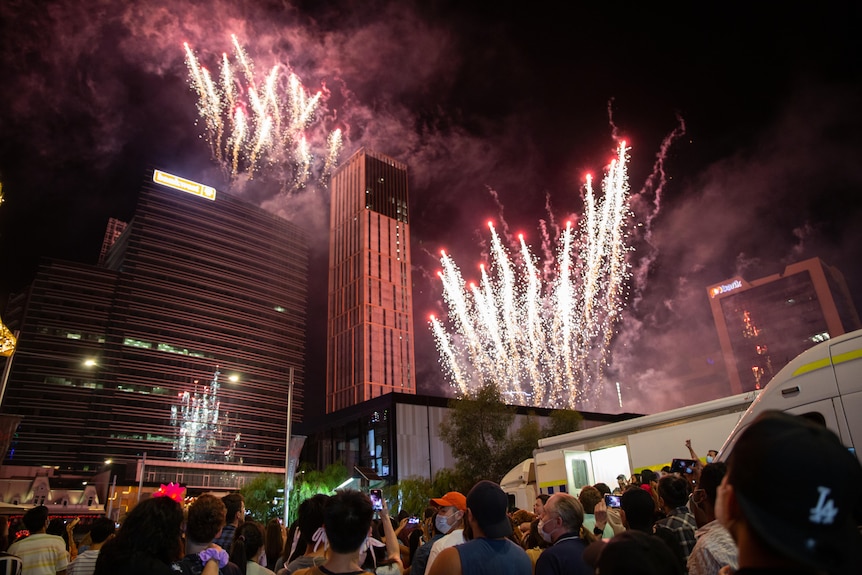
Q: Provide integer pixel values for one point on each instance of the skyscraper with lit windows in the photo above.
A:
(764, 323)
(370, 309)
(178, 347)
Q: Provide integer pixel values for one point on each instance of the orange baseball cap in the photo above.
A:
(452, 499)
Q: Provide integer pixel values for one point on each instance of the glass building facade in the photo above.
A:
(370, 309)
(178, 347)
(765, 323)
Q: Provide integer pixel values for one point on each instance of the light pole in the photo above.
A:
(287, 471)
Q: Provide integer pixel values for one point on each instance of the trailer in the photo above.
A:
(568, 462)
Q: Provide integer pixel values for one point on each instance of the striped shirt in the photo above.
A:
(10, 565)
(84, 564)
(41, 554)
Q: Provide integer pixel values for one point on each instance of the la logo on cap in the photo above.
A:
(825, 511)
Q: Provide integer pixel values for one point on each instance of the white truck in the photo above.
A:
(824, 382)
(570, 461)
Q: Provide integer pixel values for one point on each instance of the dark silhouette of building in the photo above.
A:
(764, 323)
(370, 317)
(177, 350)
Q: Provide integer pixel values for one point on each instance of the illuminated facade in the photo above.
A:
(370, 318)
(765, 323)
(178, 347)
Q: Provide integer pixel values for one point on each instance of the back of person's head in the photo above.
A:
(811, 520)
(543, 497)
(205, 519)
(603, 488)
(639, 507)
(648, 476)
(533, 538)
(637, 553)
(101, 529)
(273, 540)
(247, 543)
(570, 510)
(710, 479)
(153, 527)
(673, 490)
(347, 518)
(309, 518)
(233, 503)
(36, 518)
(588, 497)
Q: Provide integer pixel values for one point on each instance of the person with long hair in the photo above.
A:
(273, 541)
(148, 541)
(310, 546)
(248, 549)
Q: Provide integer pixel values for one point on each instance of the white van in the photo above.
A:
(824, 383)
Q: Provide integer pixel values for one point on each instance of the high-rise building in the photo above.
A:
(178, 348)
(370, 320)
(764, 323)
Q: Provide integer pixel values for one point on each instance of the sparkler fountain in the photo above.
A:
(543, 338)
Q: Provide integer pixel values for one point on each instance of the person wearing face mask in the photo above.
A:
(560, 525)
(419, 562)
(808, 525)
(714, 547)
(449, 522)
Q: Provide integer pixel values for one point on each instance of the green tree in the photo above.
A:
(411, 494)
(446, 480)
(562, 421)
(262, 497)
(309, 482)
(522, 441)
(477, 430)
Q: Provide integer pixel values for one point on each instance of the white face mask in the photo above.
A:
(545, 536)
(444, 522)
(709, 458)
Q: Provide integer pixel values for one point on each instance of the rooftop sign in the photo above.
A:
(183, 185)
(724, 288)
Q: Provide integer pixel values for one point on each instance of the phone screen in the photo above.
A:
(376, 499)
(612, 500)
(413, 520)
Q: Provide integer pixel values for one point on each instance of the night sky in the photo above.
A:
(498, 111)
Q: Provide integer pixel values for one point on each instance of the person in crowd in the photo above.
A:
(678, 527)
(449, 521)
(386, 559)
(489, 550)
(539, 504)
(205, 519)
(346, 521)
(522, 519)
(40, 553)
(637, 510)
(590, 499)
(101, 530)
(637, 553)
(710, 455)
(603, 488)
(311, 545)
(9, 564)
(715, 547)
(560, 525)
(431, 535)
(649, 479)
(148, 541)
(534, 543)
(235, 505)
(248, 547)
(807, 525)
(274, 541)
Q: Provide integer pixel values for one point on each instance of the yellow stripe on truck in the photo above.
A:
(821, 363)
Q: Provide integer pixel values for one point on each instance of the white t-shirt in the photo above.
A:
(449, 540)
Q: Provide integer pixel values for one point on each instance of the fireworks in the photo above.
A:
(251, 124)
(543, 338)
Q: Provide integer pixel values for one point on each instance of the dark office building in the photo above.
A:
(764, 323)
(178, 347)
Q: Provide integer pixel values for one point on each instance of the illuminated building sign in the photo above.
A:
(183, 185)
(724, 288)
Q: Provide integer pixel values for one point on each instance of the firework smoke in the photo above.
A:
(543, 340)
(251, 124)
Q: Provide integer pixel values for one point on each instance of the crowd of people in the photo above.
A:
(721, 519)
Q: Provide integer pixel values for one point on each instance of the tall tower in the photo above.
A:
(370, 321)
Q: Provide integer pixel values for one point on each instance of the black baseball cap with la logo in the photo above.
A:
(810, 517)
